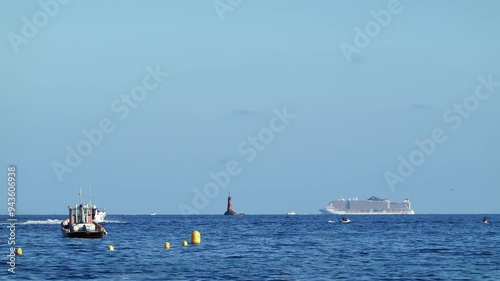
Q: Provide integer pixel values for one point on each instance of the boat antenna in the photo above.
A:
(80, 193)
(90, 194)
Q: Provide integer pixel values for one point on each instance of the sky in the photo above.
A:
(167, 106)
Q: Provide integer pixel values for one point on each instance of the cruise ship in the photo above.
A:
(371, 206)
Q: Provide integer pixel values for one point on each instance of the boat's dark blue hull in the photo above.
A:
(99, 232)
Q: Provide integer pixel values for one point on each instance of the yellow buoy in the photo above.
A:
(167, 245)
(111, 248)
(19, 251)
(184, 243)
(195, 237)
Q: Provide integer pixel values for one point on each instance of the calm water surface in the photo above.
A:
(273, 247)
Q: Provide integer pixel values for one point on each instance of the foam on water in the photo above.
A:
(54, 221)
(113, 221)
(47, 221)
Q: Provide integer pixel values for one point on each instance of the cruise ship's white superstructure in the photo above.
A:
(371, 206)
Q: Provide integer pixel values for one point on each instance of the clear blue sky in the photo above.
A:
(353, 116)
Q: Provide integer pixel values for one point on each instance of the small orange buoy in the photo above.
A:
(111, 248)
(184, 243)
(19, 251)
(167, 245)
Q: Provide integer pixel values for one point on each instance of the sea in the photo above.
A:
(259, 247)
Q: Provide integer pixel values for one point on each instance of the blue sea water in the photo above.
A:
(261, 247)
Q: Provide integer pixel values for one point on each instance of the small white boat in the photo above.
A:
(345, 220)
(340, 221)
(292, 213)
(98, 215)
(485, 220)
(153, 214)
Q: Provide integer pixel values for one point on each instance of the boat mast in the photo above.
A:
(81, 193)
(90, 194)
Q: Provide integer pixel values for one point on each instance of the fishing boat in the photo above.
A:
(292, 213)
(80, 223)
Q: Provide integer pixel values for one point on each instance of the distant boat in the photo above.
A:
(80, 223)
(292, 213)
(345, 220)
(98, 215)
(485, 220)
(153, 214)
